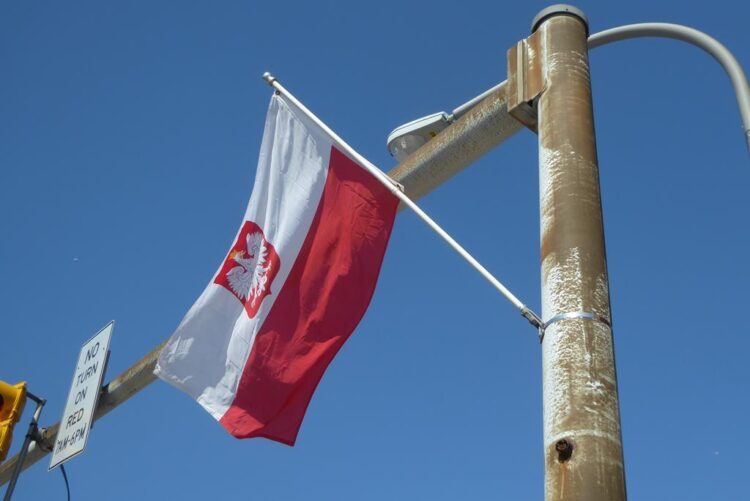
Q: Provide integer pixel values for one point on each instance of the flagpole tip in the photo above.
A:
(269, 78)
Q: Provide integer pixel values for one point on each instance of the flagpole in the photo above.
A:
(396, 189)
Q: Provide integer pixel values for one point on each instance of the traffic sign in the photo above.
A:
(83, 396)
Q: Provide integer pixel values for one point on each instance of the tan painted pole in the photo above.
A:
(582, 440)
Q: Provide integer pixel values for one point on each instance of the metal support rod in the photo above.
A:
(482, 128)
(31, 436)
(582, 440)
(396, 189)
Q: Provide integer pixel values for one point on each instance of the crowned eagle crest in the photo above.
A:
(249, 278)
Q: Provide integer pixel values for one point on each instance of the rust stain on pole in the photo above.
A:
(582, 439)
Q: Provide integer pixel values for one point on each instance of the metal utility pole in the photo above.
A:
(549, 76)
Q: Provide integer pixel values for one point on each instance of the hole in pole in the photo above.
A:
(564, 450)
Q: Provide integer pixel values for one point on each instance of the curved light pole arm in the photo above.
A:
(694, 37)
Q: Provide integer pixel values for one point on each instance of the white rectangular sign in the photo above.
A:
(82, 398)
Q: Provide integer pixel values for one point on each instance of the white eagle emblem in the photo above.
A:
(248, 280)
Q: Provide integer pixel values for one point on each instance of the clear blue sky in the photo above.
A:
(129, 134)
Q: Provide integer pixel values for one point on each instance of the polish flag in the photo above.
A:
(292, 288)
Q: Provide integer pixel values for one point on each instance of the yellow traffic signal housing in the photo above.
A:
(12, 401)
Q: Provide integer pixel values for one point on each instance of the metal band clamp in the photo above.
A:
(573, 315)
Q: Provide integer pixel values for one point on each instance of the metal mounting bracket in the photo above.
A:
(525, 82)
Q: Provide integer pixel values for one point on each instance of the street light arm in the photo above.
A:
(694, 37)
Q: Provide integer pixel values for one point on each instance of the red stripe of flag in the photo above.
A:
(320, 304)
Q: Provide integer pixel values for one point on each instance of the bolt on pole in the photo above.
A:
(582, 439)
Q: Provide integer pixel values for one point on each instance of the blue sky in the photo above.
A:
(129, 134)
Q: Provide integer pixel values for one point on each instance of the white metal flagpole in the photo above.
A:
(396, 189)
